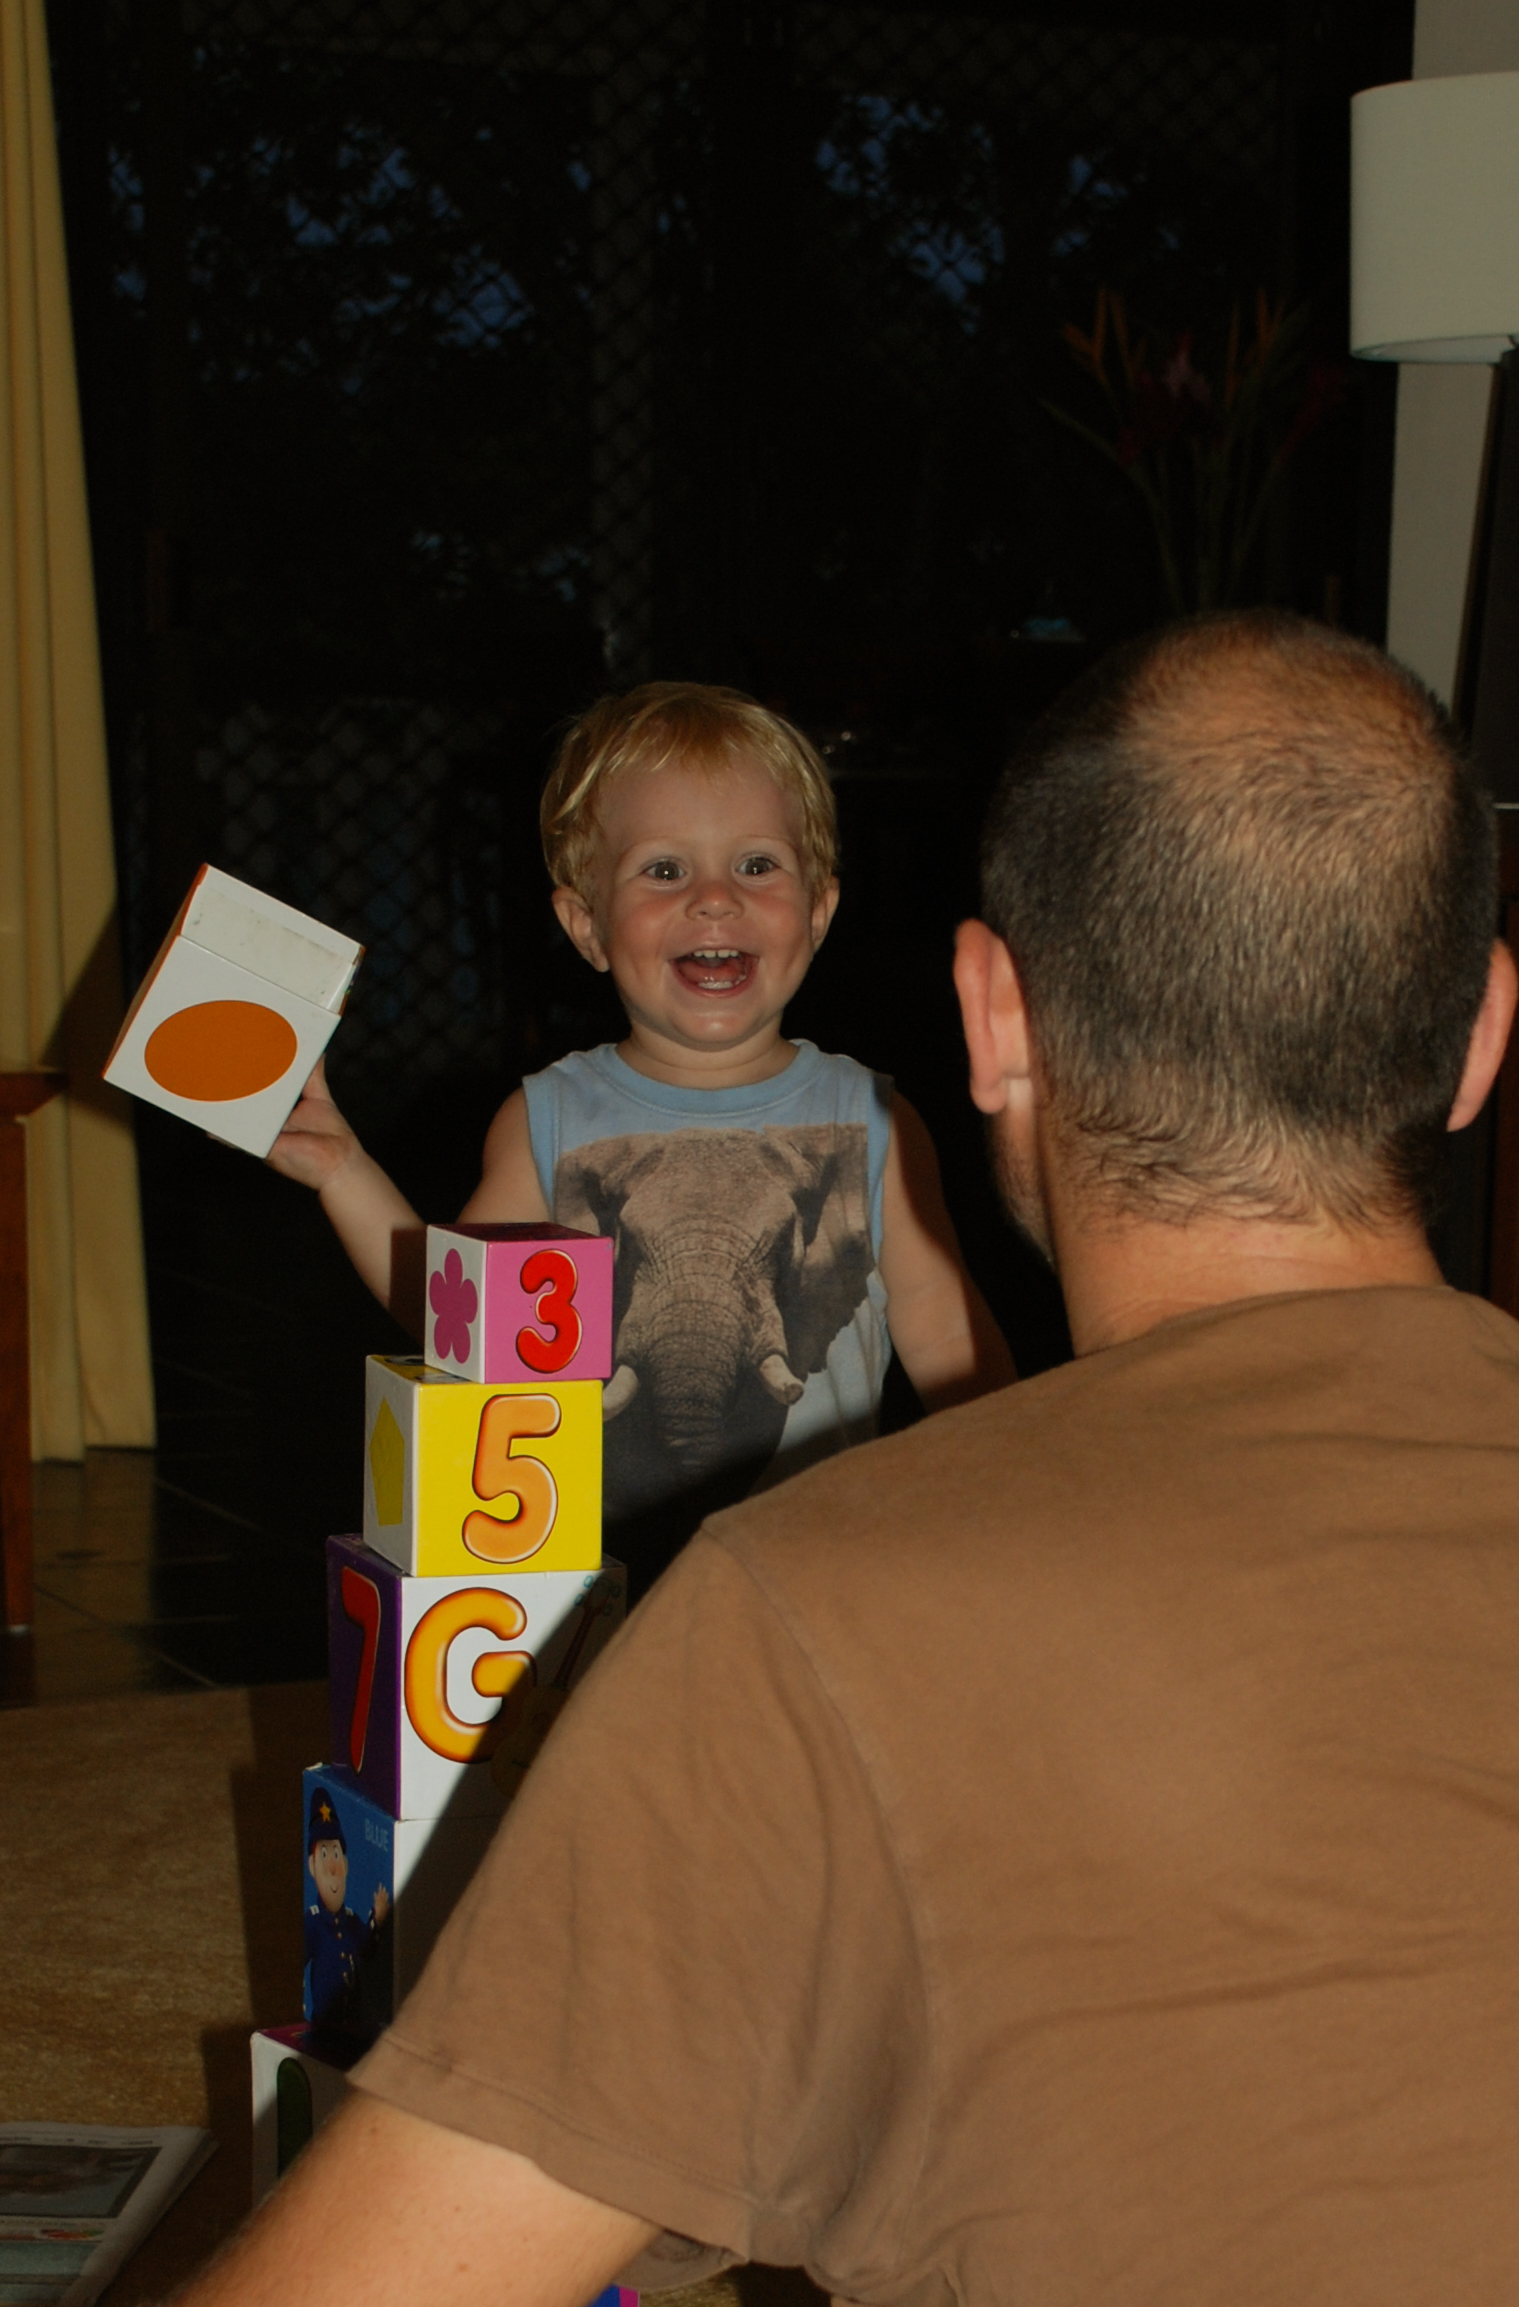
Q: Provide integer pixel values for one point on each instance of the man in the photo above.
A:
(1070, 1852)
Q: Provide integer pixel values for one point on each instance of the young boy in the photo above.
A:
(776, 1212)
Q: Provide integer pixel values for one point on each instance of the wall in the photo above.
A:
(1442, 412)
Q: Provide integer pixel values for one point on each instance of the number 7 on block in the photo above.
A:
(361, 1603)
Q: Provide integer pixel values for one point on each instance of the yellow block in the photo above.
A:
(461, 1477)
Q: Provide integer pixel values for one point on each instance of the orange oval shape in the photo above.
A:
(217, 1050)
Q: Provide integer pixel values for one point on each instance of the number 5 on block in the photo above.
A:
(460, 1476)
(525, 1493)
(506, 1304)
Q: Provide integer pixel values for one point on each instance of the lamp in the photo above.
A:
(1434, 276)
(1434, 219)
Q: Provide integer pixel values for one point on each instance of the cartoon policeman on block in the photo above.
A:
(336, 1941)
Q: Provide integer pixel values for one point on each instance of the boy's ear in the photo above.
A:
(579, 925)
(824, 906)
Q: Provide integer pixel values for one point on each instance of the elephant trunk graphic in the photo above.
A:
(740, 1256)
(702, 1318)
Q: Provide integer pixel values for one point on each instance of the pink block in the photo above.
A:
(510, 1304)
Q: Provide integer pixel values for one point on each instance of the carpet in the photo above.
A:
(151, 1855)
(150, 1911)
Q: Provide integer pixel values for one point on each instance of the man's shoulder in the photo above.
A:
(1134, 1436)
(969, 1585)
(914, 1489)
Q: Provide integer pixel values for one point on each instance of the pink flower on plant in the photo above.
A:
(1181, 380)
(1327, 385)
(456, 1303)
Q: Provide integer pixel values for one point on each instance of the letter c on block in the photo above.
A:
(497, 1674)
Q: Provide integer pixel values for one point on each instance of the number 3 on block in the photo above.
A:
(555, 1277)
(523, 1486)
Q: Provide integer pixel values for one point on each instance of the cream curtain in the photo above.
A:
(60, 990)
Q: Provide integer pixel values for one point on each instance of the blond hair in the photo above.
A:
(696, 726)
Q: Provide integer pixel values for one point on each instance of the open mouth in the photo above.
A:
(715, 969)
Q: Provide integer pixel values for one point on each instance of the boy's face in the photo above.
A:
(329, 1871)
(700, 908)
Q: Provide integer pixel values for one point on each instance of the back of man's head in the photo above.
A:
(1248, 880)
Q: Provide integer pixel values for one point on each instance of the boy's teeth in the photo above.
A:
(714, 967)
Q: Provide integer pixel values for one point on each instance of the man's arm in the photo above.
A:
(624, 2007)
(940, 1324)
(385, 2210)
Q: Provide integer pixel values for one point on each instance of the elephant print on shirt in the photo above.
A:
(740, 1255)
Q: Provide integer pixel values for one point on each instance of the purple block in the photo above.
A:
(364, 1691)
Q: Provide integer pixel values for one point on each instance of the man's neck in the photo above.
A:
(1122, 1277)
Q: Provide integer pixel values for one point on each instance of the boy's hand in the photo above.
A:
(940, 1324)
(315, 1142)
(372, 1218)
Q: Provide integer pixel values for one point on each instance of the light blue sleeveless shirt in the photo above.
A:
(750, 1314)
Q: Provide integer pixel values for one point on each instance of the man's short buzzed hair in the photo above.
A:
(1250, 884)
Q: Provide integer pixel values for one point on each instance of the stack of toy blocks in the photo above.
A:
(457, 1626)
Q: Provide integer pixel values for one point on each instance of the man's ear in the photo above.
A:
(579, 925)
(994, 1016)
(1484, 1052)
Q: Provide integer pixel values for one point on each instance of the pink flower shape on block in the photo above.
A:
(456, 1303)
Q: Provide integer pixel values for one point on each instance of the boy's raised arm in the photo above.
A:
(941, 1326)
(371, 1217)
(509, 1192)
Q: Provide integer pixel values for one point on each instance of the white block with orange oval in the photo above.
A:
(444, 1689)
(461, 1477)
(242, 1000)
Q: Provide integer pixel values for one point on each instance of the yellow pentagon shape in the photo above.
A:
(387, 1466)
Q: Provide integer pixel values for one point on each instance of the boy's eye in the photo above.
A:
(663, 869)
(758, 864)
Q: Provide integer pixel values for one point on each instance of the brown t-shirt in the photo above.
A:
(1067, 1853)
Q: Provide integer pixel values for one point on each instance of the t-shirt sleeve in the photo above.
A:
(685, 1980)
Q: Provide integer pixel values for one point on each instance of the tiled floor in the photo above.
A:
(201, 1563)
(110, 1591)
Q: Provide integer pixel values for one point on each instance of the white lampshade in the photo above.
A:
(1434, 219)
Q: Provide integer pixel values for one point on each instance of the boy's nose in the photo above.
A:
(712, 898)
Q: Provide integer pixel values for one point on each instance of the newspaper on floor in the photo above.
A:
(77, 2199)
